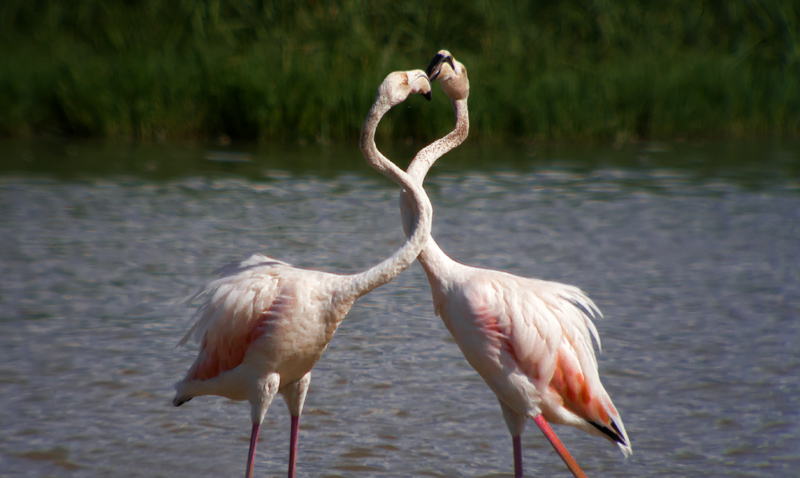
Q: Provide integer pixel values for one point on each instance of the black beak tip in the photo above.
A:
(436, 61)
(427, 95)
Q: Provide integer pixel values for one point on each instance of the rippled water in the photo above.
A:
(691, 252)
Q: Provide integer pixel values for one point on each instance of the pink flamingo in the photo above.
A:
(263, 324)
(529, 339)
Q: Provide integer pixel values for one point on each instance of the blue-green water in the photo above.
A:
(691, 251)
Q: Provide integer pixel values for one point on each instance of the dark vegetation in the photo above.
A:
(285, 71)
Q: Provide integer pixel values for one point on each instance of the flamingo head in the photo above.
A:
(451, 74)
(400, 84)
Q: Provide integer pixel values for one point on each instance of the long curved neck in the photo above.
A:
(389, 269)
(424, 160)
(432, 258)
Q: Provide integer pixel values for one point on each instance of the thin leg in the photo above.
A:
(516, 424)
(517, 441)
(262, 393)
(251, 456)
(293, 445)
(560, 448)
(294, 394)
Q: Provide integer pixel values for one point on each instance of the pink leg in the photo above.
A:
(251, 456)
(517, 441)
(293, 445)
(560, 448)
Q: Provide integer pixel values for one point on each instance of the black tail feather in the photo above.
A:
(178, 402)
(614, 435)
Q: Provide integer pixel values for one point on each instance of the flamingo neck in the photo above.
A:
(433, 259)
(424, 160)
(438, 265)
(420, 205)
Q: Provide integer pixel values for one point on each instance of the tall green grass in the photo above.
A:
(283, 71)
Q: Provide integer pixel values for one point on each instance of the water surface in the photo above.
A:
(691, 252)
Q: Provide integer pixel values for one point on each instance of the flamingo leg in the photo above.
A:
(294, 394)
(516, 424)
(293, 445)
(560, 448)
(251, 455)
(517, 441)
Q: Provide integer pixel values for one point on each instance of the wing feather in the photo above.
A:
(543, 314)
(233, 306)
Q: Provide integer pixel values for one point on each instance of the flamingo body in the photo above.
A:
(263, 324)
(529, 339)
(531, 342)
(262, 314)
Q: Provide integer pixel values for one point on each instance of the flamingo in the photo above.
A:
(263, 324)
(529, 339)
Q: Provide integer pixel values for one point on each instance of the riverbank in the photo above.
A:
(575, 71)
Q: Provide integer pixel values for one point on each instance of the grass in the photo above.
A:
(282, 71)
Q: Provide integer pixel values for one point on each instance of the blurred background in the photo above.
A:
(305, 71)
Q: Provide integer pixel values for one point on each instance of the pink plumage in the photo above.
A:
(530, 340)
(263, 324)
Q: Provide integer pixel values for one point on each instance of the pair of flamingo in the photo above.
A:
(264, 324)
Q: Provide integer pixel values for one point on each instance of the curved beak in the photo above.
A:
(435, 66)
(428, 94)
(413, 77)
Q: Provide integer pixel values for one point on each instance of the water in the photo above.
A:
(691, 252)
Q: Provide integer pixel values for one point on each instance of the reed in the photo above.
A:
(279, 71)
